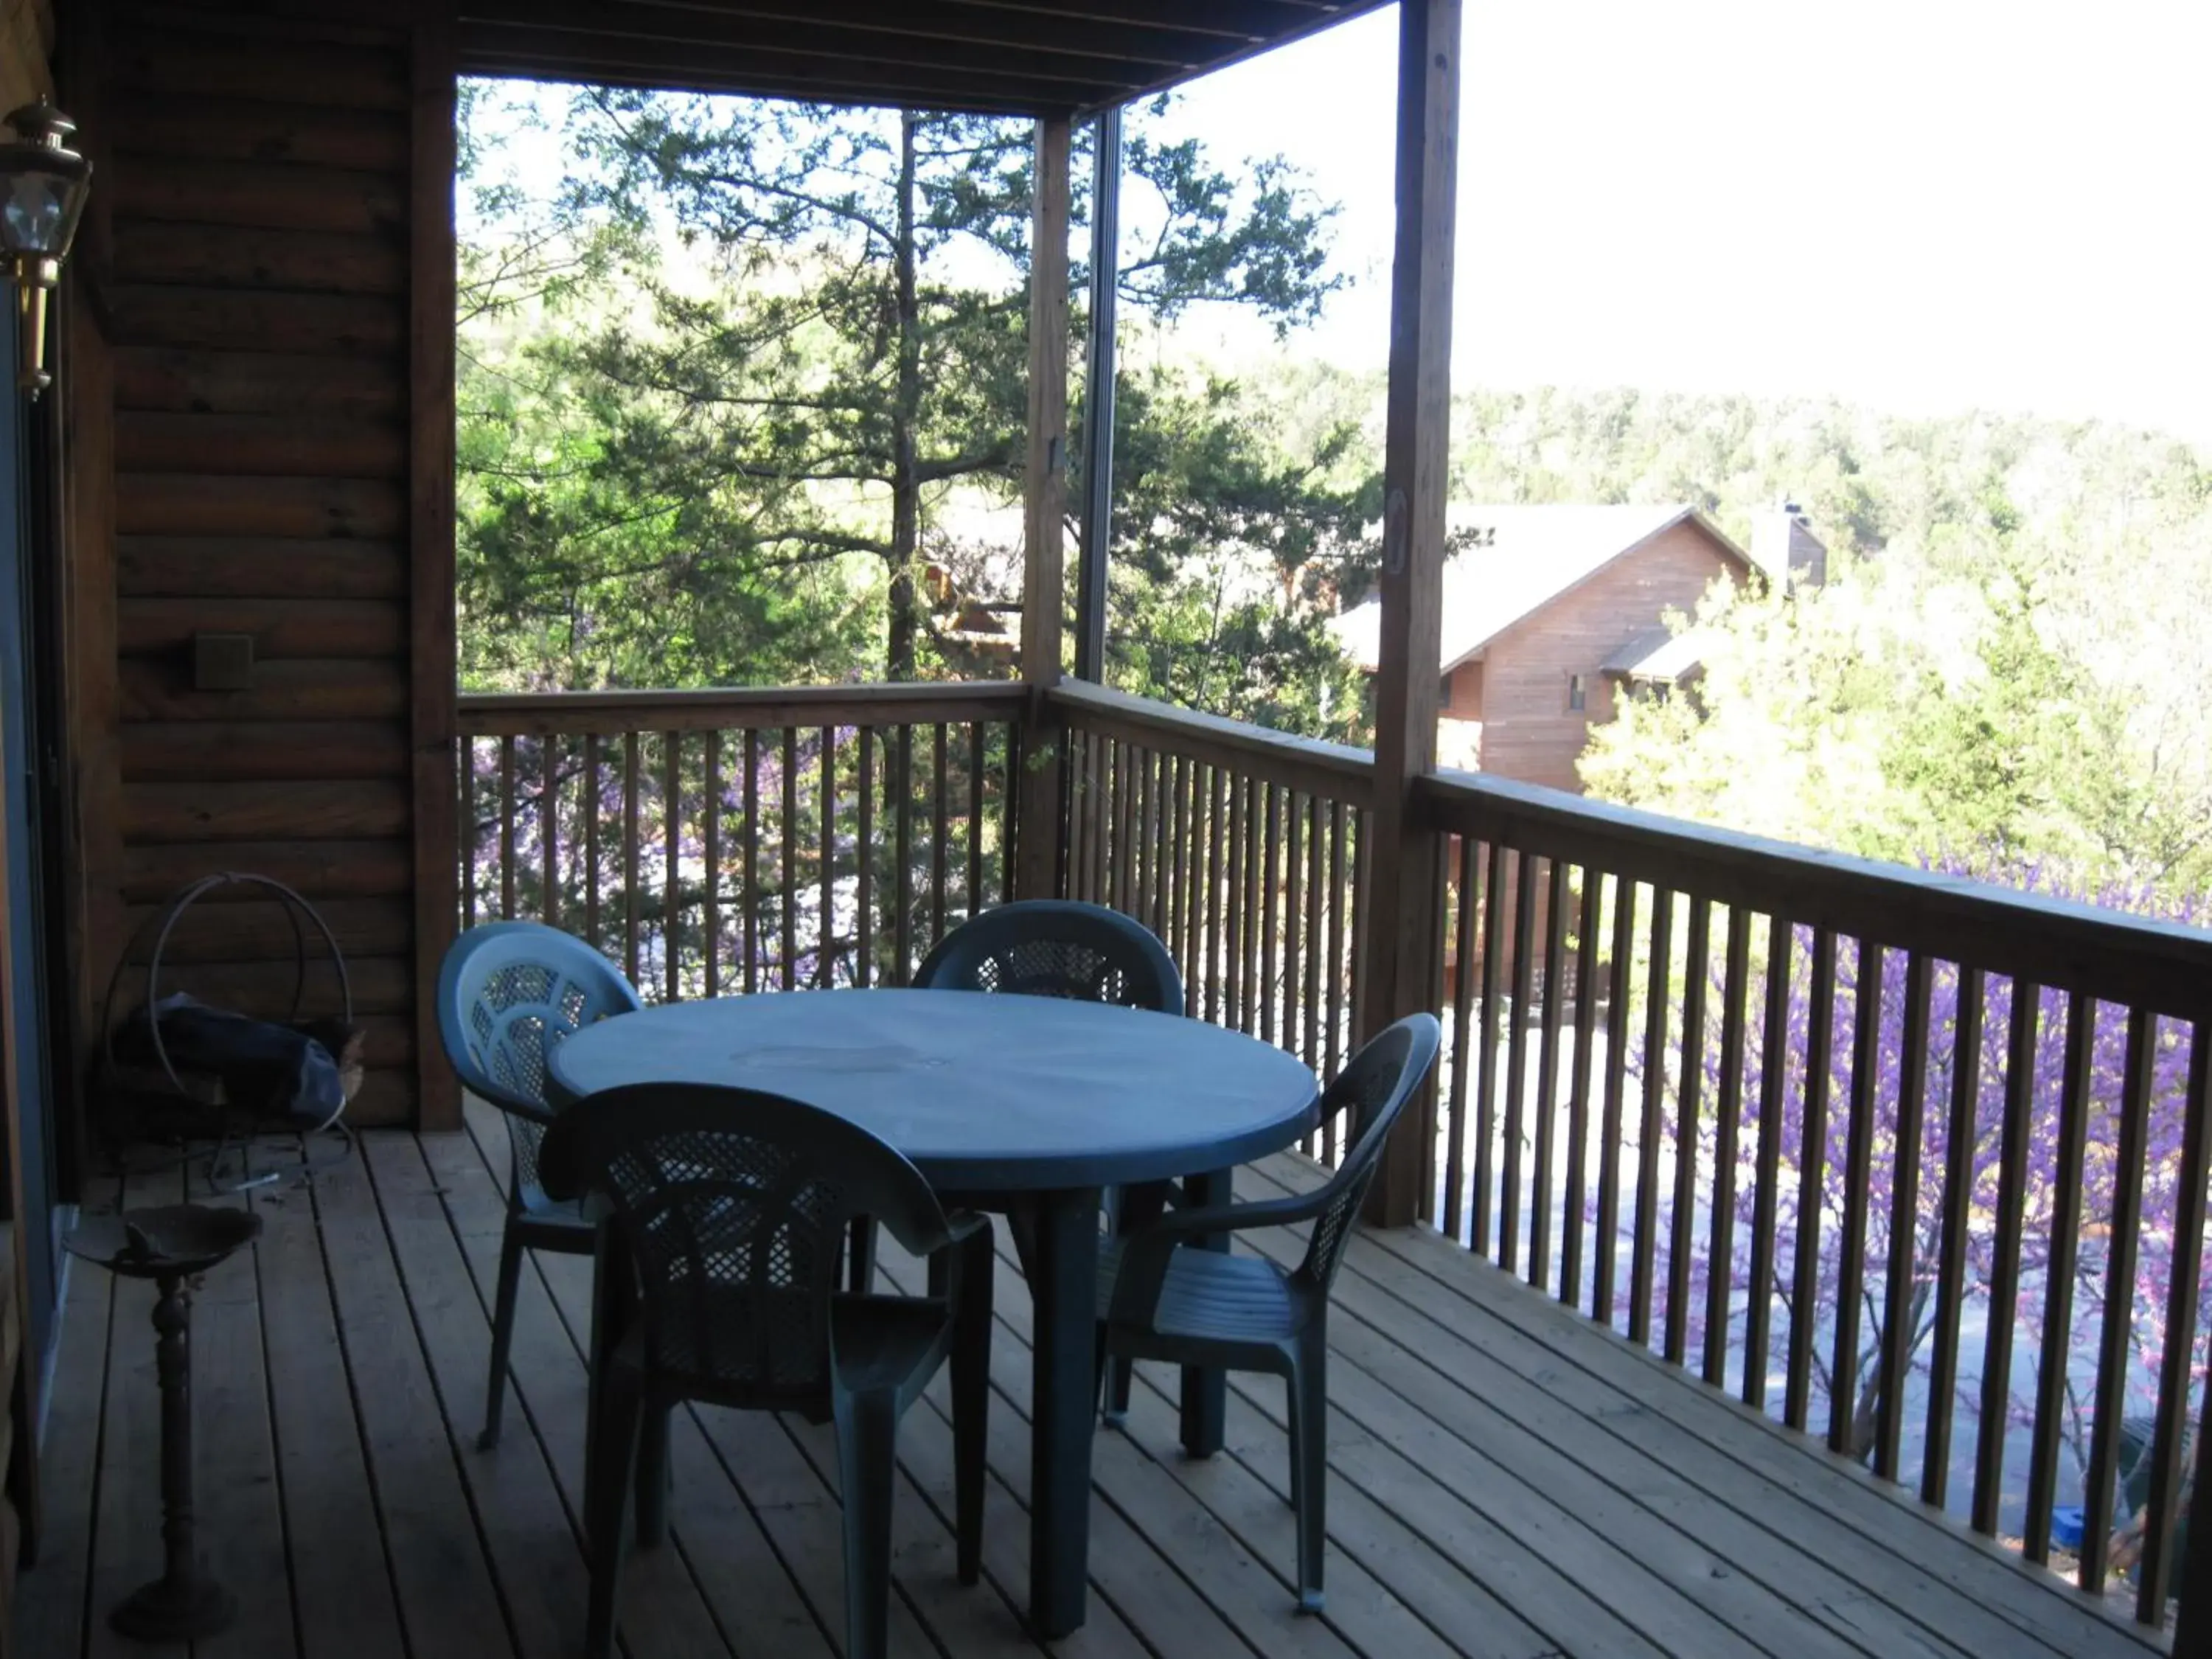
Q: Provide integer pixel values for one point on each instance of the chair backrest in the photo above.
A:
(1374, 1086)
(510, 990)
(1056, 948)
(733, 1204)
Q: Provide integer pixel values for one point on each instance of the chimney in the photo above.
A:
(1783, 545)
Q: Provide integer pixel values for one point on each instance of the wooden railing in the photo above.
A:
(1987, 1107)
(1971, 1191)
(742, 840)
(1239, 846)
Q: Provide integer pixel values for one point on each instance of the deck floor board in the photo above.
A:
(1507, 1480)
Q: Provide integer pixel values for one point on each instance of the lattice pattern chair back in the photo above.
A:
(507, 992)
(1374, 1086)
(734, 1206)
(1056, 948)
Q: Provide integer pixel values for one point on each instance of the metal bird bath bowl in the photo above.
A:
(171, 1245)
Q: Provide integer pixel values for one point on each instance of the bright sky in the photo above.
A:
(1925, 205)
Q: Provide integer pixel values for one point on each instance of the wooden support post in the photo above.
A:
(1043, 533)
(1098, 403)
(430, 280)
(1398, 919)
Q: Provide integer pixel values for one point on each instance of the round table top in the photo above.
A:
(984, 1092)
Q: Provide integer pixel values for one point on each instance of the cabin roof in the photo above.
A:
(1514, 559)
(1002, 57)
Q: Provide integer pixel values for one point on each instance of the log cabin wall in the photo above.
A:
(277, 296)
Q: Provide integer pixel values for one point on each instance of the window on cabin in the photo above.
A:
(1577, 694)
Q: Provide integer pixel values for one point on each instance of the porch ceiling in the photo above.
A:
(1007, 57)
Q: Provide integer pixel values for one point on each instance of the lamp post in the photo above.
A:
(43, 186)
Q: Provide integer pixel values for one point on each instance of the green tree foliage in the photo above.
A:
(795, 363)
(2003, 670)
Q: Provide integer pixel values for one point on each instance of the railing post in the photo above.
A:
(1398, 918)
(1044, 515)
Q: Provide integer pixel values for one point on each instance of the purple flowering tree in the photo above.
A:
(1918, 1142)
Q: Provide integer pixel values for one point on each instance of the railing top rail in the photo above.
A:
(2163, 966)
(579, 713)
(1334, 769)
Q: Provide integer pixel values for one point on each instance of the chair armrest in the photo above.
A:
(1146, 1252)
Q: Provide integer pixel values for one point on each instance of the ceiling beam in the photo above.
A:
(835, 36)
(572, 55)
(1157, 47)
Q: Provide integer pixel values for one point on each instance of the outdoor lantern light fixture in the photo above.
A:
(43, 184)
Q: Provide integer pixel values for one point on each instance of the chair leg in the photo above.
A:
(861, 1256)
(502, 1334)
(607, 1477)
(1309, 1467)
(652, 1478)
(867, 1449)
(971, 1405)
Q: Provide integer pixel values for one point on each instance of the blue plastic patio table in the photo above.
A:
(1031, 1105)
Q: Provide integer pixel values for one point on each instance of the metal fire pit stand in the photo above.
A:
(172, 1246)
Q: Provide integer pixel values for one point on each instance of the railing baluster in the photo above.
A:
(1255, 906)
(1316, 917)
(1689, 1092)
(506, 828)
(1644, 1247)
(1294, 819)
(712, 914)
(1619, 977)
(1858, 1165)
(1811, 1171)
(899, 801)
(1141, 853)
(2053, 1386)
(1337, 975)
(1898, 1314)
(2114, 1347)
(1728, 1116)
(792, 877)
(1174, 774)
(1589, 918)
(549, 830)
(671, 816)
(2003, 1296)
(1547, 1079)
(864, 865)
(1766, 1179)
(1009, 803)
(1462, 1011)
(2178, 1361)
(751, 914)
(1216, 901)
(1483, 1207)
(1265, 865)
(940, 844)
(1961, 1132)
(976, 775)
(633, 744)
(1239, 914)
(1517, 1056)
(472, 835)
(825, 949)
(592, 838)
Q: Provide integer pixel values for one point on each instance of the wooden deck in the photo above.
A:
(1507, 1480)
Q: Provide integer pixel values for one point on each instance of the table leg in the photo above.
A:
(1063, 1284)
(1205, 1389)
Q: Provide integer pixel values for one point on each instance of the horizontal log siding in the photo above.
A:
(256, 302)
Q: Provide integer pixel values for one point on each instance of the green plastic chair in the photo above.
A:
(1058, 948)
(726, 1210)
(1162, 1298)
(507, 992)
